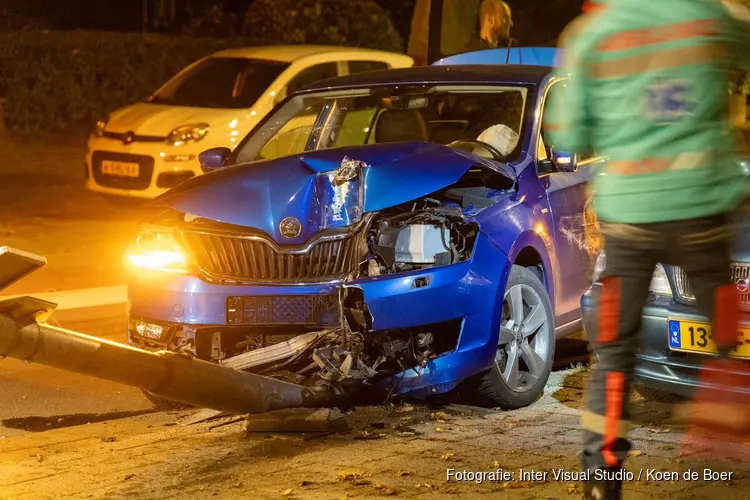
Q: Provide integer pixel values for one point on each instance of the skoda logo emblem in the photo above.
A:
(290, 227)
(128, 138)
(742, 285)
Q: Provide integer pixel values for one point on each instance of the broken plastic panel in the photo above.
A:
(17, 264)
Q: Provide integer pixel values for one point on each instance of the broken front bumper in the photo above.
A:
(466, 295)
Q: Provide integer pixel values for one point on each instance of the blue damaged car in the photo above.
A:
(407, 231)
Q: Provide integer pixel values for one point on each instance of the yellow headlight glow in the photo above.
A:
(157, 251)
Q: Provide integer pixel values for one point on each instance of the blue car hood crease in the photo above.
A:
(261, 194)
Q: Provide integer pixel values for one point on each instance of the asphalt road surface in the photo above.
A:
(84, 237)
(36, 398)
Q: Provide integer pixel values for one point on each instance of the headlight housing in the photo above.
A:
(157, 250)
(100, 126)
(419, 240)
(188, 134)
(659, 281)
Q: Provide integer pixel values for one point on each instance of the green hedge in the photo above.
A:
(64, 81)
(361, 23)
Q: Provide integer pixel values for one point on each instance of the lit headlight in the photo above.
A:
(158, 251)
(187, 134)
(659, 281)
(100, 126)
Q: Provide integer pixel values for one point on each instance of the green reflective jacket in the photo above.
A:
(649, 92)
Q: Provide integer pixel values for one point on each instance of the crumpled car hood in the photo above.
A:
(262, 194)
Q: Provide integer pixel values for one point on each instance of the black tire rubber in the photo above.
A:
(164, 404)
(487, 389)
(650, 394)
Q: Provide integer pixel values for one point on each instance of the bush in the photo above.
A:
(65, 81)
(361, 23)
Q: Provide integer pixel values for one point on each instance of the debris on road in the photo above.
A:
(204, 415)
(348, 475)
(469, 410)
(296, 420)
(366, 434)
(407, 408)
(108, 439)
(440, 416)
(658, 430)
(385, 490)
(228, 421)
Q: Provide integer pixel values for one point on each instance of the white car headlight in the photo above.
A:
(100, 126)
(659, 281)
(187, 134)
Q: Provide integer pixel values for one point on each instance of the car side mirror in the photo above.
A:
(564, 161)
(213, 158)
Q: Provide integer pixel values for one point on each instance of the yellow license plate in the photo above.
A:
(120, 169)
(697, 337)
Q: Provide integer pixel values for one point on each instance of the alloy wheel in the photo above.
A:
(524, 344)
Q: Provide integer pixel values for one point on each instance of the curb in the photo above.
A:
(80, 298)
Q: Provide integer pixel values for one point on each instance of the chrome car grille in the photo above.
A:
(682, 285)
(246, 258)
(740, 275)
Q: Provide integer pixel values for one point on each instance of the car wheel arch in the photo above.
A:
(529, 250)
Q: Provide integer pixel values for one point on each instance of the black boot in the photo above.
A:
(604, 484)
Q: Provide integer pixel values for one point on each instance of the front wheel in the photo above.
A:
(526, 347)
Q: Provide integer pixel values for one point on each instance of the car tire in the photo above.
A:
(164, 404)
(650, 394)
(495, 388)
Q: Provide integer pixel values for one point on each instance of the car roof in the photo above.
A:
(290, 53)
(432, 75)
(527, 56)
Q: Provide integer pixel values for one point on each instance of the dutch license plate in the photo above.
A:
(120, 168)
(688, 336)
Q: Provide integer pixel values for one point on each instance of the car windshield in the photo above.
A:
(220, 82)
(484, 120)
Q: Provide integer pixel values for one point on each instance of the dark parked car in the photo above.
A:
(675, 338)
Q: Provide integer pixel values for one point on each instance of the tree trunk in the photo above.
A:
(419, 37)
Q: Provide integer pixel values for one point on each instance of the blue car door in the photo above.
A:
(576, 241)
(576, 238)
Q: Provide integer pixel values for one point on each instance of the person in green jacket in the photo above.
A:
(649, 91)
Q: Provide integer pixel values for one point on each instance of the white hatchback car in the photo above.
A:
(145, 149)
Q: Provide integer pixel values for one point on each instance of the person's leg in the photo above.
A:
(631, 253)
(702, 250)
(704, 254)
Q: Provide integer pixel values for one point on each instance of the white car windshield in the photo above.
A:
(463, 117)
(220, 82)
